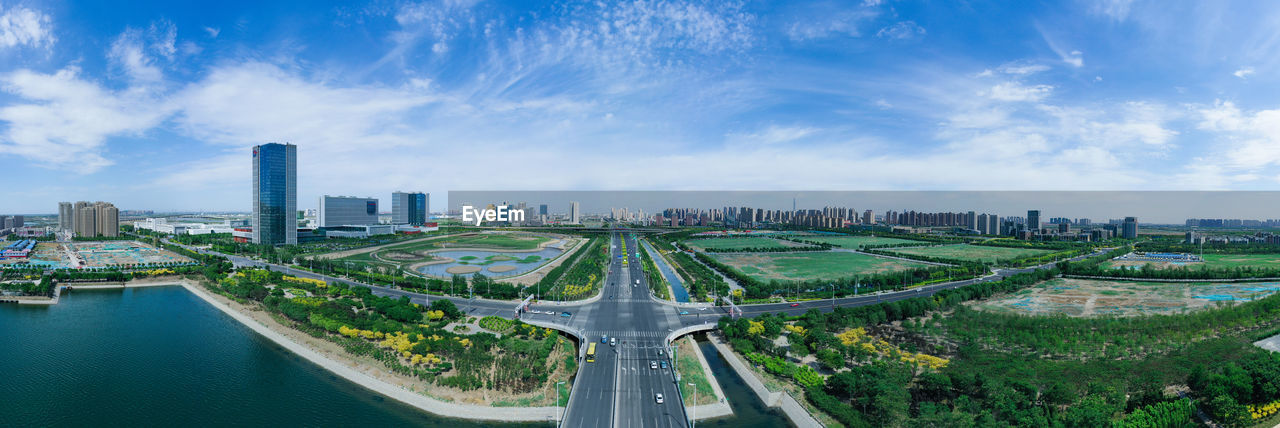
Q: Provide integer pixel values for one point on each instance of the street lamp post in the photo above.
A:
(558, 402)
(695, 404)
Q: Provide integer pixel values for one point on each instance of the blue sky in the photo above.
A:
(155, 106)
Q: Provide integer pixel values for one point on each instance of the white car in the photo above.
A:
(653, 365)
(658, 398)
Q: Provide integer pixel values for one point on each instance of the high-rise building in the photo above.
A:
(86, 222)
(542, 209)
(574, 214)
(347, 211)
(275, 194)
(66, 216)
(1033, 220)
(409, 208)
(89, 219)
(868, 217)
(1130, 228)
(972, 220)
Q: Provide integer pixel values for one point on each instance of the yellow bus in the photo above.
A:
(591, 353)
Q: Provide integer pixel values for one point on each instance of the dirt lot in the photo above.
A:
(1088, 298)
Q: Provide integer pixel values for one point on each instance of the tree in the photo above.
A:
(444, 305)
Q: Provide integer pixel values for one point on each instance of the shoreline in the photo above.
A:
(367, 381)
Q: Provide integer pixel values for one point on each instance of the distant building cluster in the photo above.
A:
(275, 218)
(89, 219)
(16, 225)
(1230, 223)
(1196, 238)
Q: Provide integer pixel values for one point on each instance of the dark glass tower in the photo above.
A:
(275, 194)
(409, 208)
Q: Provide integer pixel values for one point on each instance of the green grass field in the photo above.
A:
(968, 252)
(1242, 260)
(812, 265)
(712, 244)
(857, 241)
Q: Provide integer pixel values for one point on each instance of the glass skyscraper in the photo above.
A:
(275, 194)
(409, 208)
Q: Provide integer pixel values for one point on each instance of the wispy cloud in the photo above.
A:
(905, 30)
(1243, 72)
(20, 26)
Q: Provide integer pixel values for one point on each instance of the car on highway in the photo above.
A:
(657, 398)
(795, 304)
(613, 341)
(604, 339)
(653, 365)
(566, 314)
(684, 312)
(662, 364)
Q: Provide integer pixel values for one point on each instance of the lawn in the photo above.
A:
(713, 244)
(812, 265)
(1242, 260)
(858, 241)
(968, 252)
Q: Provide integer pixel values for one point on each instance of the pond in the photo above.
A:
(494, 264)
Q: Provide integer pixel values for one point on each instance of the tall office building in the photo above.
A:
(275, 194)
(409, 208)
(347, 211)
(573, 213)
(1033, 220)
(542, 209)
(66, 216)
(1130, 228)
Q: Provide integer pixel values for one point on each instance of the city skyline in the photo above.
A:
(152, 106)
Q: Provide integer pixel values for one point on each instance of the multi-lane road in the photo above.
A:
(620, 388)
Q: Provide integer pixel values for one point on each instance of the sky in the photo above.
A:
(157, 105)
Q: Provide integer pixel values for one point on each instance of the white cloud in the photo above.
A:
(129, 53)
(1022, 68)
(20, 26)
(905, 30)
(1247, 141)
(821, 23)
(1243, 72)
(773, 135)
(1014, 91)
(66, 120)
(213, 31)
(1115, 9)
(1073, 57)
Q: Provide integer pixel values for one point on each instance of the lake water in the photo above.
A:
(160, 356)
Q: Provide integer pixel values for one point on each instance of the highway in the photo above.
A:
(619, 389)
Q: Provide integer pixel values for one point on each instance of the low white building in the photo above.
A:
(359, 230)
